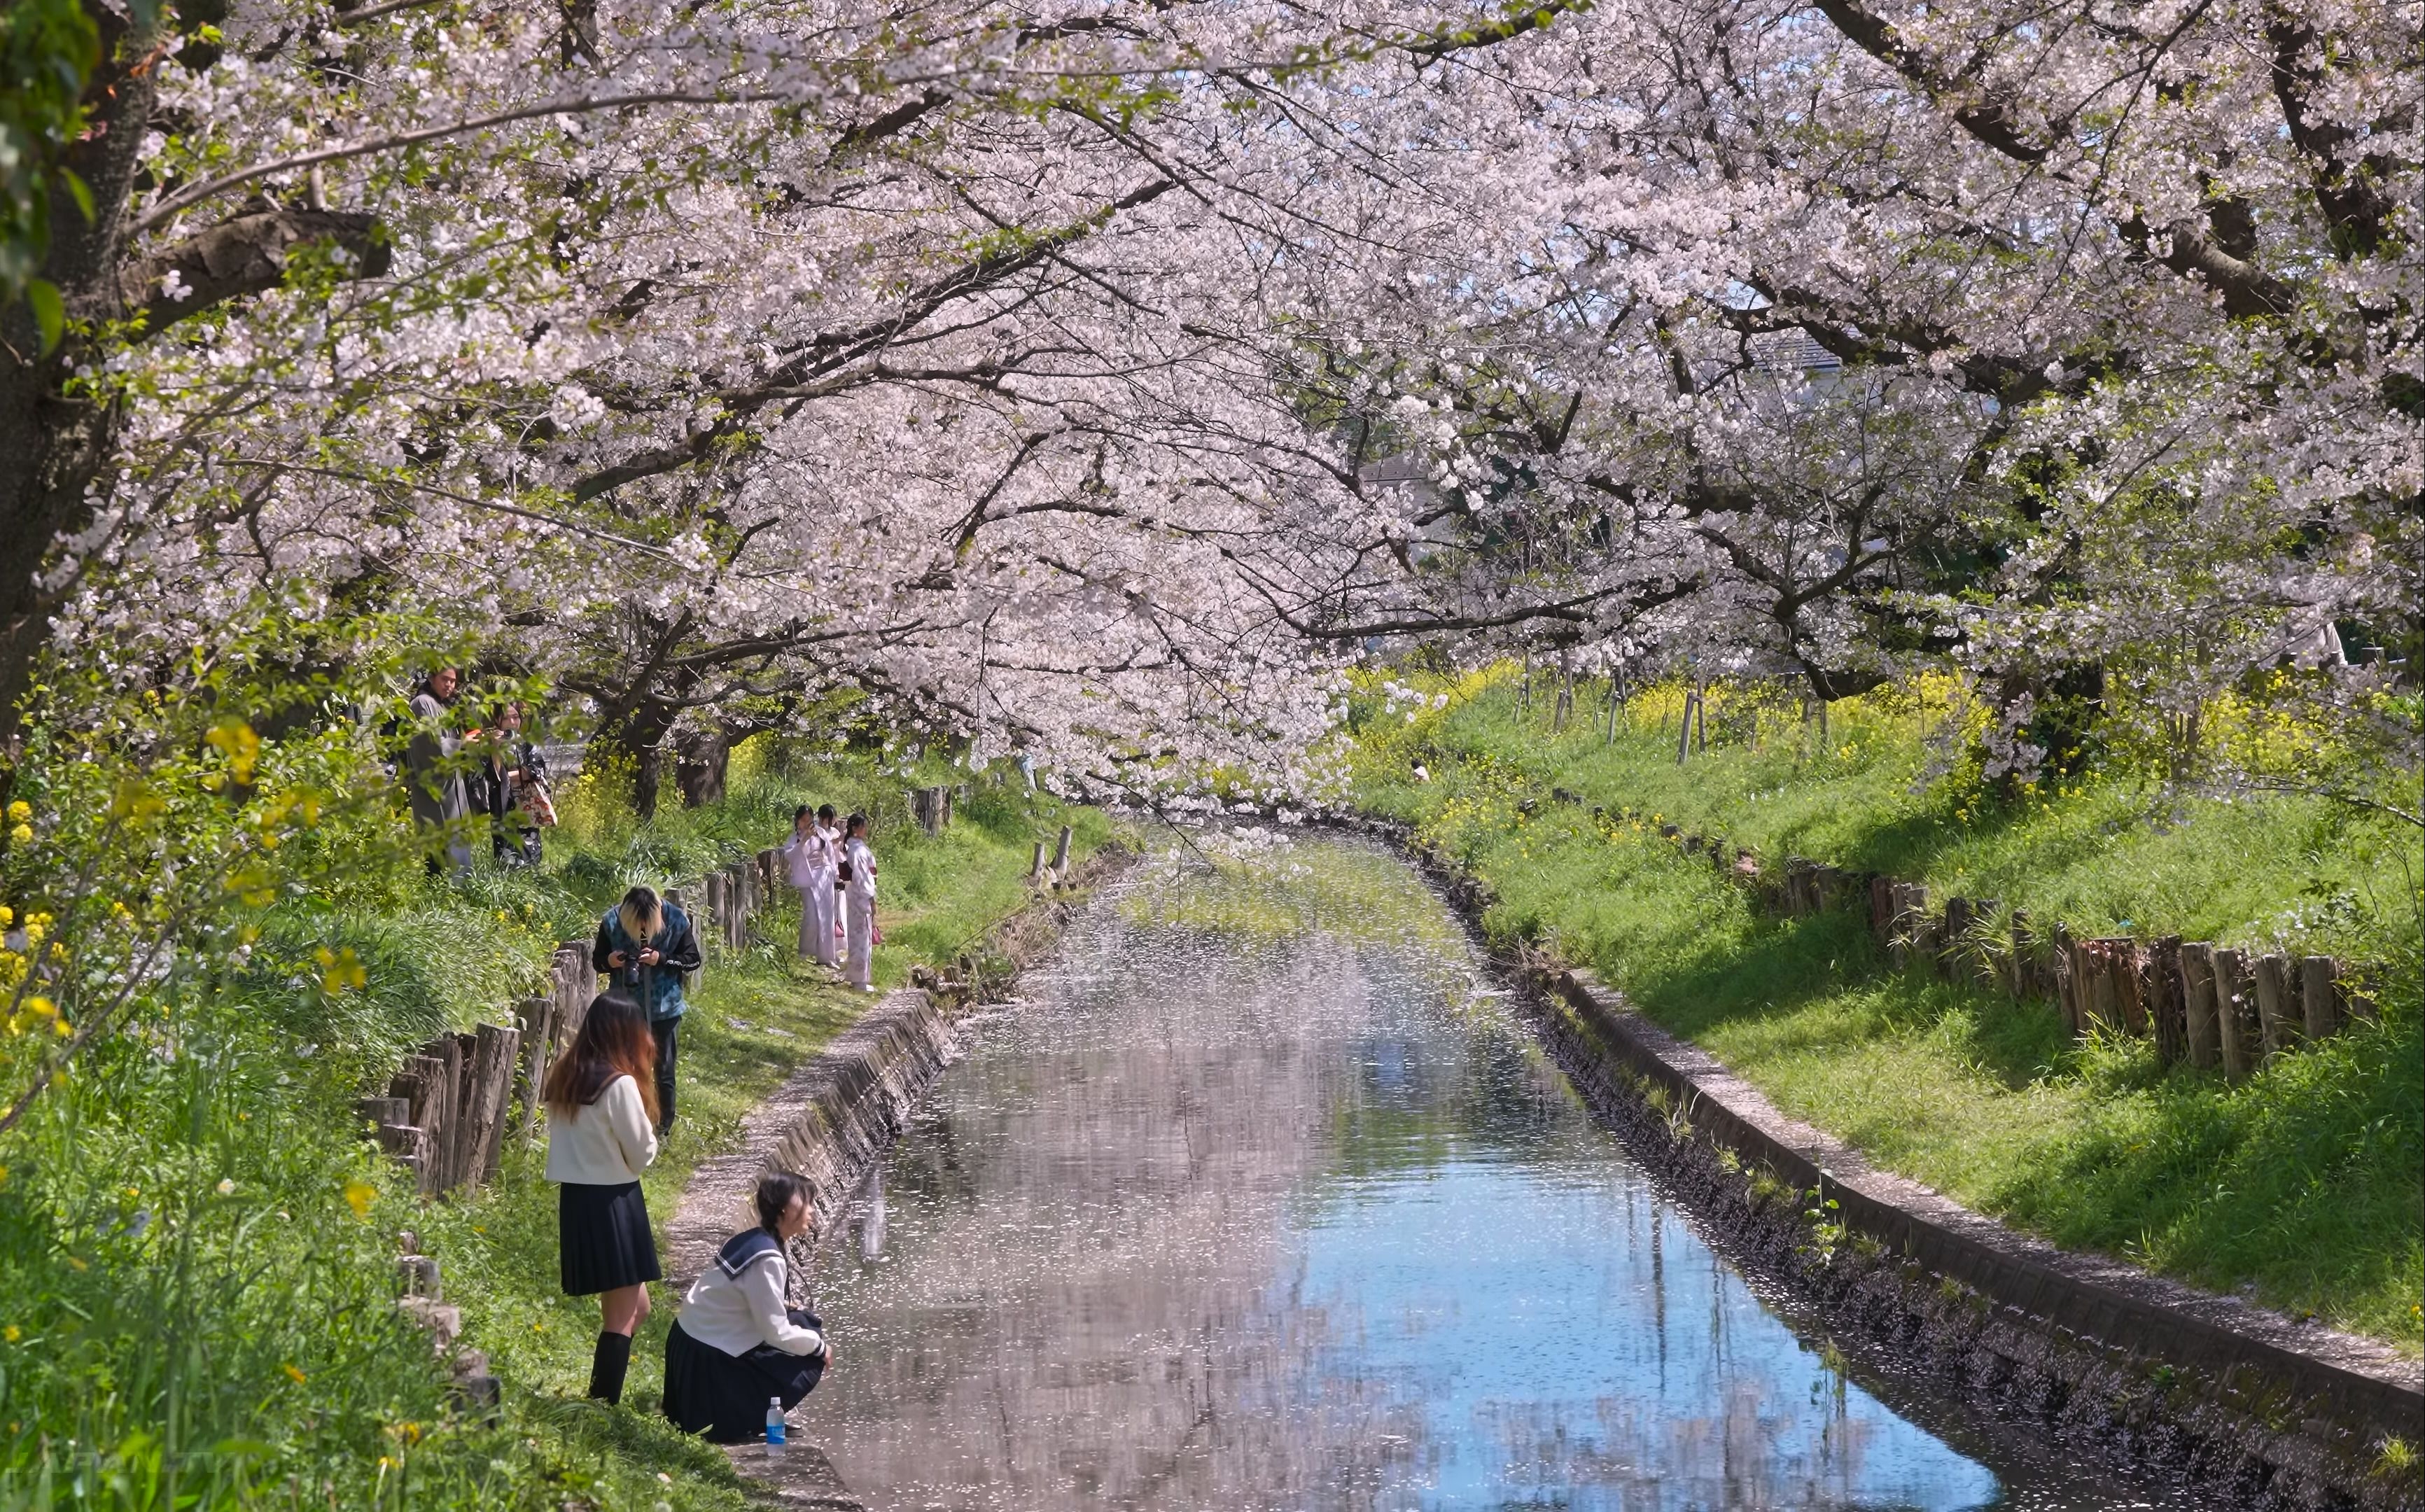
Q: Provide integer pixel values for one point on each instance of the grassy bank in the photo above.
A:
(197, 1245)
(2299, 1186)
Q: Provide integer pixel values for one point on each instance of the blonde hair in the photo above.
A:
(640, 914)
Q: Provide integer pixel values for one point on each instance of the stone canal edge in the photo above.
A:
(2239, 1404)
(835, 1116)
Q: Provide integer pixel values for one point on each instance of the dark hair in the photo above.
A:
(857, 821)
(613, 1041)
(825, 810)
(801, 813)
(776, 1190)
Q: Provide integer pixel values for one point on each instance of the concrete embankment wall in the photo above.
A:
(2250, 1408)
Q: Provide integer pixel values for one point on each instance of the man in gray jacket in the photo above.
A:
(433, 778)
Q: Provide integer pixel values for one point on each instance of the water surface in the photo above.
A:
(1266, 1199)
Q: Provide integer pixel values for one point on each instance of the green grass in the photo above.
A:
(2301, 1185)
(245, 1342)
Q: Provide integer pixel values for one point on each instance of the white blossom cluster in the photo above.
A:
(1095, 382)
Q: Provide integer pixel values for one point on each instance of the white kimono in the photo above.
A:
(808, 863)
(858, 915)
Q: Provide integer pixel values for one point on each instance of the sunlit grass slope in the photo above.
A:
(2301, 1185)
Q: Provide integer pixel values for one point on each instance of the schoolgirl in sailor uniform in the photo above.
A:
(738, 1345)
(602, 1120)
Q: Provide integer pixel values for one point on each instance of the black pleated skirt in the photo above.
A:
(606, 1238)
(725, 1396)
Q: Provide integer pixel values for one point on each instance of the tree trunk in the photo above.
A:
(57, 446)
(702, 758)
(54, 448)
(648, 779)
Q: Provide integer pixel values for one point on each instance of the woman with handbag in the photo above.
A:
(512, 791)
(739, 1347)
(601, 1135)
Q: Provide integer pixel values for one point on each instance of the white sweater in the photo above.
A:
(737, 1313)
(605, 1144)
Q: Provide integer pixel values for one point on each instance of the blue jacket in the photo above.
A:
(660, 987)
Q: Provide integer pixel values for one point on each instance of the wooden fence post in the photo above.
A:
(2161, 980)
(531, 1016)
(2064, 965)
(1952, 941)
(1061, 854)
(438, 1120)
(2277, 1009)
(2019, 975)
(1979, 942)
(494, 1053)
(1036, 868)
(2127, 971)
(2235, 1014)
(2319, 995)
(2202, 1025)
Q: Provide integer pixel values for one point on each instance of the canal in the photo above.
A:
(1267, 1196)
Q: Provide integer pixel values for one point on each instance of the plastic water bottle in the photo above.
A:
(774, 1422)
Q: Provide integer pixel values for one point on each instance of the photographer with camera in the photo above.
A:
(644, 946)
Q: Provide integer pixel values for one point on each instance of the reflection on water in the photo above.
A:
(1263, 1202)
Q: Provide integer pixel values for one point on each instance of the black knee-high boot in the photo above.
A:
(608, 1366)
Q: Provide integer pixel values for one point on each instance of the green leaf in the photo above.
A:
(50, 312)
(82, 195)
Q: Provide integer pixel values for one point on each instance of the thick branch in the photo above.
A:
(245, 255)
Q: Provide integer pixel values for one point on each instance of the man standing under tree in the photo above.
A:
(433, 778)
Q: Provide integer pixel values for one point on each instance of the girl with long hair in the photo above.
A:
(601, 1116)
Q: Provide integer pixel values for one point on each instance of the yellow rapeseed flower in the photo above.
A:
(23, 834)
(20, 811)
(290, 1370)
